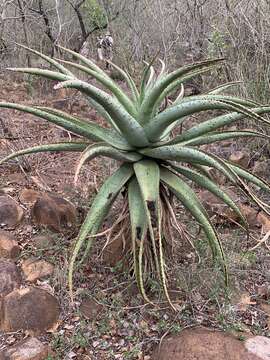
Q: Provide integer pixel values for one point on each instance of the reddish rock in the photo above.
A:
(29, 196)
(10, 277)
(250, 214)
(11, 213)
(43, 241)
(90, 309)
(203, 344)
(35, 269)
(30, 349)
(259, 346)
(29, 309)
(16, 178)
(264, 221)
(9, 247)
(222, 212)
(54, 212)
(262, 168)
(240, 158)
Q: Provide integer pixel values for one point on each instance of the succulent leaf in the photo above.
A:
(99, 209)
(64, 146)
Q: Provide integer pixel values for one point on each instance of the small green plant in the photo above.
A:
(141, 137)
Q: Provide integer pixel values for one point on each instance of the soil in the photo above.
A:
(125, 328)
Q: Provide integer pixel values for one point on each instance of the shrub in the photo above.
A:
(154, 164)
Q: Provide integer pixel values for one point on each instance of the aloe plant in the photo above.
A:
(154, 164)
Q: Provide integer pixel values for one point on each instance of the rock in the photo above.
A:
(262, 168)
(16, 178)
(10, 277)
(30, 309)
(30, 349)
(11, 213)
(216, 207)
(203, 344)
(9, 247)
(29, 196)
(216, 175)
(35, 269)
(250, 214)
(115, 252)
(259, 346)
(220, 212)
(264, 221)
(240, 158)
(43, 241)
(90, 309)
(54, 212)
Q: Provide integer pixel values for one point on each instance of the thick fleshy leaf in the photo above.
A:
(231, 99)
(219, 89)
(102, 149)
(191, 156)
(51, 61)
(108, 84)
(213, 124)
(145, 77)
(153, 95)
(172, 114)
(139, 226)
(204, 182)
(225, 135)
(102, 112)
(133, 132)
(77, 126)
(173, 87)
(53, 75)
(97, 132)
(99, 209)
(192, 203)
(85, 61)
(64, 146)
(128, 79)
(248, 176)
(147, 174)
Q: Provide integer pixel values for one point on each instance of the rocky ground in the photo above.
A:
(40, 212)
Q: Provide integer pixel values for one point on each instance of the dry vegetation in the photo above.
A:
(124, 327)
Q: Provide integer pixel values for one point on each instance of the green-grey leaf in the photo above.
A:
(64, 146)
(204, 182)
(133, 132)
(153, 95)
(213, 124)
(192, 203)
(99, 209)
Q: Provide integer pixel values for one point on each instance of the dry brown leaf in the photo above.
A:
(264, 221)
(245, 301)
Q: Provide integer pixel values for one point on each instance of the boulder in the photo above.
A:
(31, 309)
(259, 346)
(43, 241)
(30, 349)
(11, 213)
(262, 168)
(240, 158)
(204, 344)
(264, 221)
(90, 309)
(221, 212)
(54, 212)
(9, 247)
(34, 269)
(10, 277)
(29, 196)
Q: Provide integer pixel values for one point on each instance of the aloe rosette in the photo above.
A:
(153, 163)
